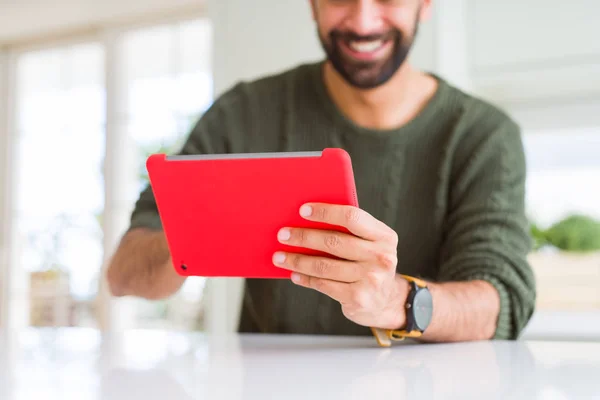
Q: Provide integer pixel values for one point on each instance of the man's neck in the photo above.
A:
(389, 106)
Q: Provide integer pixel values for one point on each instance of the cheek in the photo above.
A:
(403, 18)
(330, 18)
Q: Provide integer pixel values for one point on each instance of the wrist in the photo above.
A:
(166, 280)
(397, 309)
(170, 272)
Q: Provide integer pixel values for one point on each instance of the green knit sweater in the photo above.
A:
(450, 183)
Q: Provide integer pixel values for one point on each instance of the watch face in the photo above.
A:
(423, 309)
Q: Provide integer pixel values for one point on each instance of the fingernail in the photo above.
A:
(284, 234)
(295, 277)
(306, 211)
(279, 258)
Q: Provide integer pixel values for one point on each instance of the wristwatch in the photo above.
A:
(419, 309)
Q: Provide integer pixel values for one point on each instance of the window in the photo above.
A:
(563, 181)
(60, 134)
(168, 86)
(164, 85)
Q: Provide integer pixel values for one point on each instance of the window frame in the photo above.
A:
(7, 183)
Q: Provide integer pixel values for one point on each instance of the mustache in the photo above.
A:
(353, 36)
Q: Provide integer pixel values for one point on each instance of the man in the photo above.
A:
(440, 179)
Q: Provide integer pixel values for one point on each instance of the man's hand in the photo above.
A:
(361, 274)
(142, 266)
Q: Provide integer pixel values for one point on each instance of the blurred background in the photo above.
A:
(88, 89)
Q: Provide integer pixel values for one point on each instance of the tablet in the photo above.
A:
(221, 212)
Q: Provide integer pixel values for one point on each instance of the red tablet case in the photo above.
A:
(221, 213)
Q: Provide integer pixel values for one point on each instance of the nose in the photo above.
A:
(365, 17)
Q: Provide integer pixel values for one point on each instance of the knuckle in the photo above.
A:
(322, 213)
(349, 312)
(319, 284)
(386, 259)
(374, 278)
(352, 214)
(359, 299)
(294, 260)
(332, 241)
(321, 267)
(301, 236)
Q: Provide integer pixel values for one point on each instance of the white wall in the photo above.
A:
(540, 32)
(27, 19)
(538, 59)
(258, 37)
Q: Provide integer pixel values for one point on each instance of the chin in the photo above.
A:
(367, 80)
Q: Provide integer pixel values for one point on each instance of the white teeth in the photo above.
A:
(366, 47)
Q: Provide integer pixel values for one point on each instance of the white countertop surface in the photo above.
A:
(140, 365)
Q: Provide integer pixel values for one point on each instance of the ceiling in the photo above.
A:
(26, 21)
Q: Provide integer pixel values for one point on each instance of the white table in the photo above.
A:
(81, 364)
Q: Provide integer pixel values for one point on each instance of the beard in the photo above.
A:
(367, 74)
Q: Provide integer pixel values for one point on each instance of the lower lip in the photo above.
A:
(366, 56)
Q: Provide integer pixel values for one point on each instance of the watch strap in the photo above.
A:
(419, 282)
(385, 337)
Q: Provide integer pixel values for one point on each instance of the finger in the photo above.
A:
(338, 291)
(356, 220)
(337, 244)
(319, 267)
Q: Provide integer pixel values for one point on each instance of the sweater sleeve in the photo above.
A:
(486, 236)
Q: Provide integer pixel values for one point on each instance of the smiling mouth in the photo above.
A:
(369, 50)
(365, 46)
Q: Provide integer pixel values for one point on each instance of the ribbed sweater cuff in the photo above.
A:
(504, 326)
